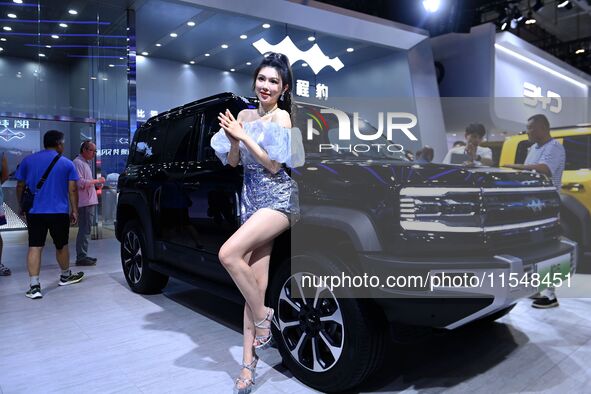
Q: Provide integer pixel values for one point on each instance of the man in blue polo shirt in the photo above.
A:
(546, 156)
(55, 206)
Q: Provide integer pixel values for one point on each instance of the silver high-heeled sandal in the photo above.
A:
(246, 383)
(262, 342)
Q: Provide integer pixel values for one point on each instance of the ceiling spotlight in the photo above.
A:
(243, 37)
(206, 55)
(72, 12)
(563, 4)
(224, 46)
(158, 45)
(579, 51)
(191, 23)
(232, 69)
(1, 49)
(513, 24)
(539, 4)
(3, 39)
(145, 53)
(504, 25)
(311, 38)
(266, 25)
(93, 78)
(7, 28)
(18, 1)
(12, 16)
(431, 5)
(55, 36)
(41, 55)
(248, 63)
(530, 21)
(63, 25)
(304, 64)
(105, 79)
(111, 65)
(350, 50)
(192, 62)
(47, 46)
(121, 58)
(174, 35)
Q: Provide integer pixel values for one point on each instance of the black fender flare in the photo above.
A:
(138, 203)
(355, 224)
(580, 214)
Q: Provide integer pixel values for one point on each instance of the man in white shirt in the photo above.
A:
(472, 154)
(546, 156)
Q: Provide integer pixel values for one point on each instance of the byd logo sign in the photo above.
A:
(532, 95)
(395, 121)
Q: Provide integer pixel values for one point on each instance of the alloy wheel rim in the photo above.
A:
(132, 257)
(312, 328)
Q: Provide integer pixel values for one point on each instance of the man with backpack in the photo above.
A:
(48, 194)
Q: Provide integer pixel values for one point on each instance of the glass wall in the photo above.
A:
(63, 65)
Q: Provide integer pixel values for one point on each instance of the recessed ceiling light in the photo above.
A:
(192, 62)
(41, 55)
(105, 79)
(111, 65)
(578, 51)
(13, 16)
(55, 36)
(121, 58)
(145, 53)
(191, 23)
(47, 46)
(248, 63)
(207, 55)
(224, 46)
(243, 37)
(266, 25)
(304, 64)
(72, 12)
(63, 25)
(232, 69)
(174, 35)
(350, 50)
(93, 78)
(7, 28)
(1, 49)
(82, 88)
(158, 45)
(18, 1)
(2, 39)
(311, 38)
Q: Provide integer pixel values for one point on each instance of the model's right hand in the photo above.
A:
(74, 217)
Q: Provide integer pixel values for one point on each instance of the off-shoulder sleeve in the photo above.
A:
(283, 145)
(221, 144)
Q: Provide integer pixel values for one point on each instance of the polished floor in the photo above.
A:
(99, 337)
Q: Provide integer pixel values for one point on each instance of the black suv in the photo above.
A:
(362, 213)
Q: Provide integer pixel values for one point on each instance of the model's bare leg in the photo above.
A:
(259, 262)
(262, 227)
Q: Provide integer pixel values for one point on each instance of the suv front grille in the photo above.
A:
(502, 208)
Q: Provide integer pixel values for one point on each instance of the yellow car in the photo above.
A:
(575, 213)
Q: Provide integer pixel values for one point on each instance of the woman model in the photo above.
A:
(262, 140)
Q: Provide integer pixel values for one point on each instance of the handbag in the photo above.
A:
(28, 197)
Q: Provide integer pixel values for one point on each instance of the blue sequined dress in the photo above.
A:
(261, 188)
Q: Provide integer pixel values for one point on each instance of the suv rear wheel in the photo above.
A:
(331, 344)
(140, 278)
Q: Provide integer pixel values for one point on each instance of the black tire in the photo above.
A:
(495, 316)
(356, 330)
(136, 268)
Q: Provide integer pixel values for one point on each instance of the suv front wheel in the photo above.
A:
(138, 274)
(331, 344)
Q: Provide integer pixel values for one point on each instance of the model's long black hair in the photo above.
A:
(279, 62)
